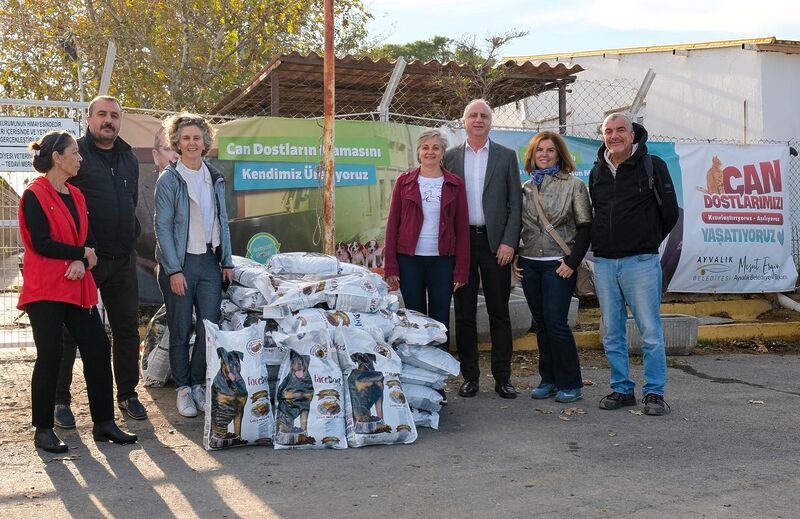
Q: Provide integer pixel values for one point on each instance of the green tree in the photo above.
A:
(176, 55)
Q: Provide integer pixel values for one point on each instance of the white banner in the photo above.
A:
(17, 132)
(736, 228)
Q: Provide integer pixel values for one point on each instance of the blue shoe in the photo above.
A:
(543, 391)
(568, 395)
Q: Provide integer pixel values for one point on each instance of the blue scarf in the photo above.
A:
(538, 174)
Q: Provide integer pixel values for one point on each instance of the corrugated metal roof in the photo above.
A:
(769, 43)
(426, 89)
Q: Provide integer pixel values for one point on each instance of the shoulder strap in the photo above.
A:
(547, 225)
(648, 168)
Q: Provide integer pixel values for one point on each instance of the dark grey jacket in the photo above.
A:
(502, 193)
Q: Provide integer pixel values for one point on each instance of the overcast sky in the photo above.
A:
(575, 25)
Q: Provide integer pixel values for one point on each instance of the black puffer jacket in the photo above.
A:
(111, 189)
(627, 219)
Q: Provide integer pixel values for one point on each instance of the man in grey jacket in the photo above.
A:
(491, 175)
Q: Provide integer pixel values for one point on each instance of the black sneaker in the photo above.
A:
(133, 408)
(63, 417)
(654, 405)
(616, 400)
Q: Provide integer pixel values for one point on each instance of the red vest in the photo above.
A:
(44, 278)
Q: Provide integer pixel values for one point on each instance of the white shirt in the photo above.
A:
(475, 162)
(430, 189)
(202, 208)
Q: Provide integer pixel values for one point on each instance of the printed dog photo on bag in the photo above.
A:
(366, 394)
(228, 398)
(295, 393)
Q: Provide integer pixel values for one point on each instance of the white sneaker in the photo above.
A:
(199, 397)
(185, 403)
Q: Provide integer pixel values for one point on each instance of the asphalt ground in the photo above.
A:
(728, 449)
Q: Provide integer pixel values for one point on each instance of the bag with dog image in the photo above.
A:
(416, 328)
(376, 408)
(310, 319)
(309, 410)
(238, 405)
(425, 419)
(423, 398)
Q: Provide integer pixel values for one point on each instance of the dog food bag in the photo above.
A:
(155, 351)
(431, 358)
(360, 293)
(423, 398)
(423, 377)
(274, 353)
(425, 418)
(352, 268)
(246, 298)
(416, 328)
(227, 308)
(238, 405)
(243, 319)
(309, 413)
(300, 263)
(317, 319)
(377, 411)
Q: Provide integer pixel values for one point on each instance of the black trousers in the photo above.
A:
(116, 278)
(496, 281)
(47, 321)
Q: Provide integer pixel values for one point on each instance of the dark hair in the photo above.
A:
(564, 156)
(103, 98)
(43, 149)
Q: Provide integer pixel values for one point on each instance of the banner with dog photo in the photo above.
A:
(737, 233)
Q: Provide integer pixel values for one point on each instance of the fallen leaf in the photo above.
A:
(757, 402)
(569, 411)
(565, 418)
(612, 433)
(71, 457)
(33, 495)
(587, 382)
(543, 411)
(762, 349)
(637, 412)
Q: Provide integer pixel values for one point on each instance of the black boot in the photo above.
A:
(109, 432)
(47, 440)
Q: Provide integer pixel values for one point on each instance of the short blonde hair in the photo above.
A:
(428, 134)
(178, 122)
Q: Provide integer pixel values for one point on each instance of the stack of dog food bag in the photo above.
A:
(311, 354)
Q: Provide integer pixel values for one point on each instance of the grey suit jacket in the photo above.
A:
(502, 192)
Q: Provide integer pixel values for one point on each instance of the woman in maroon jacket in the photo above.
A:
(427, 235)
(58, 290)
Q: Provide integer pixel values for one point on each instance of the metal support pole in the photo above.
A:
(562, 108)
(641, 94)
(108, 68)
(391, 88)
(329, 109)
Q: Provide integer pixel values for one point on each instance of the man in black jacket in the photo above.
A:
(108, 178)
(635, 207)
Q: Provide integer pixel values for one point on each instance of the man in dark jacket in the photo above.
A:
(494, 199)
(109, 178)
(635, 208)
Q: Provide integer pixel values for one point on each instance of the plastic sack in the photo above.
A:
(425, 418)
(245, 297)
(424, 377)
(423, 398)
(238, 406)
(377, 411)
(431, 358)
(301, 263)
(310, 319)
(416, 328)
(310, 395)
(154, 361)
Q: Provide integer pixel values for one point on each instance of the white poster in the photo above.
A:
(736, 228)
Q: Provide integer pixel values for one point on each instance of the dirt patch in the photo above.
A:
(779, 315)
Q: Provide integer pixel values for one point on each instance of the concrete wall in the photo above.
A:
(704, 94)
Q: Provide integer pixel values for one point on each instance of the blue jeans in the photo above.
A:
(635, 280)
(426, 283)
(549, 296)
(203, 295)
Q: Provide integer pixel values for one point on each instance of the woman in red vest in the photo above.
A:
(58, 290)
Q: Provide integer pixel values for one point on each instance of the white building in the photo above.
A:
(739, 90)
